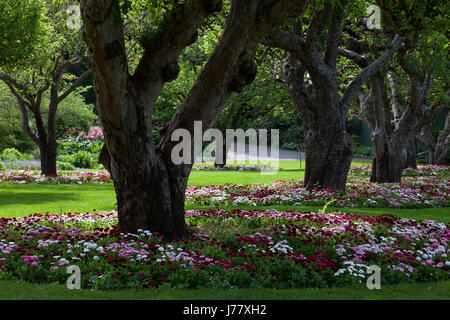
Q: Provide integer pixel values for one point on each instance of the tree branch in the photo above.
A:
(22, 106)
(317, 24)
(180, 30)
(232, 65)
(334, 36)
(368, 72)
(361, 60)
(397, 107)
(287, 41)
(75, 85)
(409, 69)
(12, 82)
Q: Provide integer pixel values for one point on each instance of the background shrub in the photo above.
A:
(11, 154)
(365, 151)
(83, 159)
(65, 166)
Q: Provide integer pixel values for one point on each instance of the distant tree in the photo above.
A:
(312, 78)
(11, 133)
(57, 50)
(394, 114)
(437, 147)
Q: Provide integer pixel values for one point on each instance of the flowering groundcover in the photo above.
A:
(228, 249)
(421, 171)
(234, 168)
(64, 177)
(413, 192)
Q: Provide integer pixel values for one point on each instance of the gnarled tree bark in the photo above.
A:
(394, 126)
(437, 148)
(311, 78)
(150, 187)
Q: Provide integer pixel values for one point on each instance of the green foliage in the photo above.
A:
(365, 151)
(70, 146)
(83, 154)
(73, 112)
(414, 15)
(65, 166)
(12, 136)
(324, 208)
(83, 159)
(20, 22)
(11, 154)
(11, 133)
(27, 157)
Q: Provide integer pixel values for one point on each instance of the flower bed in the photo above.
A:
(411, 193)
(421, 171)
(64, 177)
(21, 165)
(233, 168)
(238, 249)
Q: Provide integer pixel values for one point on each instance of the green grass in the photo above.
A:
(288, 170)
(422, 291)
(22, 200)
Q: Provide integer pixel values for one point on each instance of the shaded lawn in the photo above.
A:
(421, 291)
(22, 200)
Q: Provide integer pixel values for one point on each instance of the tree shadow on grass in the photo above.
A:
(16, 198)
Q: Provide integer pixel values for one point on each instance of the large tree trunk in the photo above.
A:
(437, 148)
(390, 151)
(411, 152)
(150, 189)
(329, 150)
(442, 143)
(47, 146)
(149, 186)
(224, 154)
(328, 147)
(393, 127)
(151, 195)
(48, 159)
